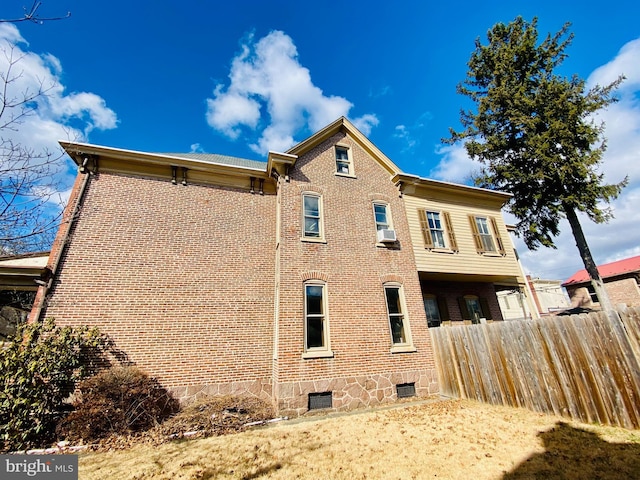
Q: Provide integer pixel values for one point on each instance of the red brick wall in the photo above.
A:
(624, 291)
(621, 291)
(180, 277)
(362, 370)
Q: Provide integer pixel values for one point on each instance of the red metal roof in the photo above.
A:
(612, 269)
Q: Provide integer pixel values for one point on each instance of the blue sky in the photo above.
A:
(239, 78)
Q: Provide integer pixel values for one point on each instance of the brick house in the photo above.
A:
(620, 278)
(18, 287)
(296, 280)
(464, 255)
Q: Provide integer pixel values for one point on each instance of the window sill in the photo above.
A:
(318, 354)
(387, 244)
(442, 250)
(346, 175)
(312, 240)
(403, 349)
(492, 254)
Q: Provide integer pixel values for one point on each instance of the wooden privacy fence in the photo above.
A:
(586, 367)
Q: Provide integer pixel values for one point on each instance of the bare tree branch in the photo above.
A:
(30, 198)
(31, 15)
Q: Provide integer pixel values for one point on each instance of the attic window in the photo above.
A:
(344, 163)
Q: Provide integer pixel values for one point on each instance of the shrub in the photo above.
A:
(218, 415)
(120, 400)
(38, 370)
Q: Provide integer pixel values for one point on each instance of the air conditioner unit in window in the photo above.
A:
(386, 236)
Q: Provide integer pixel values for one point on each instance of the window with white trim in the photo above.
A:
(344, 164)
(437, 230)
(316, 324)
(312, 216)
(381, 214)
(396, 313)
(485, 235)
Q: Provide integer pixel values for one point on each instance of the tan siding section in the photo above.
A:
(466, 260)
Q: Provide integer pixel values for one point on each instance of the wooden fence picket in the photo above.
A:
(586, 367)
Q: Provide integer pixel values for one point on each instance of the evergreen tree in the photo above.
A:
(535, 135)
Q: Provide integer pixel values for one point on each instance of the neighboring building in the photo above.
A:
(548, 295)
(302, 280)
(18, 277)
(513, 304)
(620, 279)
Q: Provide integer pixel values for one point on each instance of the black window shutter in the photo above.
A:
(463, 308)
(486, 311)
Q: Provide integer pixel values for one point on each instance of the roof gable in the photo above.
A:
(342, 124)
(613, 269)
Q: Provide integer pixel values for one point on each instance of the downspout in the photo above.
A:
(60, 242)
(275, 363)
(531, 301)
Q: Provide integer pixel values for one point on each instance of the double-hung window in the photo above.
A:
(398, 321)
(343, 161)
(486, 234)
(316, 324)
(381, 213)
(437, 230)
(312, 216)
(396, 314)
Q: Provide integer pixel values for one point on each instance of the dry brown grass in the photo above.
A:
(448, 439)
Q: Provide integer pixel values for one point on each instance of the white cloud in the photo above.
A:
(11, 34)
(89, 106)
(227, 111)
(267, 76)
(196, 148)
(365, 123)
(51, 114)
(455, 165)
(620, 238)
(625, 63)
(380, 92)
(409, 135)
(76, 113)
(402, 132)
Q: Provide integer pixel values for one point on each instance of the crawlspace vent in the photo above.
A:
(406, 390)
(320, 400)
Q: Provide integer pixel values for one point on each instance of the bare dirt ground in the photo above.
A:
(450, 439)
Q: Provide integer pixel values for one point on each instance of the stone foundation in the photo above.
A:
(261, 388)
(349, 393)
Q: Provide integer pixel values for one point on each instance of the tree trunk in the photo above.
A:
(587, 259)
